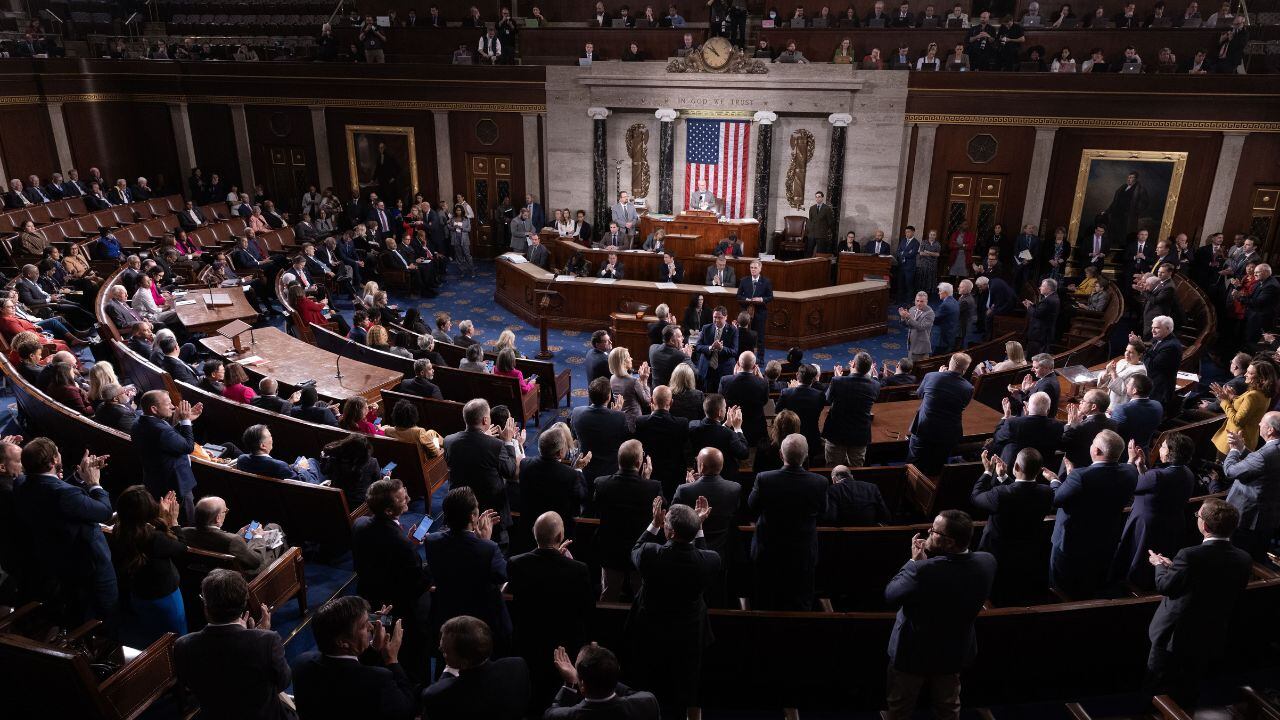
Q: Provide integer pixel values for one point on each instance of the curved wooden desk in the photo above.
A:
(810, 318)
(792, 275)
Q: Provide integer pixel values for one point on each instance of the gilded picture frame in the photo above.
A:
(382, 159)
(1148, 203)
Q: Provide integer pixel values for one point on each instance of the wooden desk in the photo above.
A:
(810, 318)
(292, 361)
(202, 317)
(708, 229)
(632, 333)
(790, 275)
(891, 427)
(855, 267)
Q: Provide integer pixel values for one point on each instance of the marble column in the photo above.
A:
(764, 171)
(532, 156)
(181, 122)
(1224, 180)
(835, 165)
(1038, 178)
(444, 155)
(666, 158)
(599, 168)
(61, 142)
(240, 126)
(926, 134)
(320, 134)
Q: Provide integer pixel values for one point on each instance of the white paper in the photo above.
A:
(666, 285)
(565, 278)
(715, 289)
(185, 302)
(251, 360)
(606, 281)
(1193, 377)
(515, 257)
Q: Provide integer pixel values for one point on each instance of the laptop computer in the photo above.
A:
(818, 22)
(1032, 21)
(875, 23)
(1192, 22)
(1103, 25)
(1131, 68)
(531, 23)
(928, 67)
(1070, 24)
(618, 23)
(954, 24)
(768, 23)
(584, 62)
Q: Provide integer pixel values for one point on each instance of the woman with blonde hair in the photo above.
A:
(507, 339)
(686, 398)
(101, 375)
(1014, 357)
(379, 339)
(370, 289)
(634, 391)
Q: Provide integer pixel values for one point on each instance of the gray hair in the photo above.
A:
(946, 288)
(662, 311)
(1164, 321)
(254, 436)
(1038, 403)
(422, 365)
(683, 522)
(475, 411)
(1053, 284)
(1110, 443)
(795, 448)
(925, 294)
(550, 444)
(426, 342)
(1042, 360)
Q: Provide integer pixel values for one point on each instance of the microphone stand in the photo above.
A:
(338, 360)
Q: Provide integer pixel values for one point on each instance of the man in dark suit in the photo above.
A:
(467, 568)
(717, 349)
(597, 359)
(1138, 420)
(1162, 360)
(1090, 502)
(905, 259)
(600, 430)
(537, 253)
(420, 384)
(65, 552)
(822, 226)
(37, 194)
(1202, 585)
(852, 502)
(1034, 429)
(550, 484)
(120, 194)
(483, 462)
(724, 496)
(267, 399)
(747, 390)
(938, 594)
(877, 245)
(591, 689)
(663, 436)
(722, 430)
(668, 354)
(1015, 534)
(1042, 378)
(74, 186)
(999, 300)
(755, 291)
(165, 449)
(1255, 491)
(1138, 256)
(654, 329)
(554, 600)
(1260, 304)
(312, 409)
(355, 669)
(668, 627)
(474, 685)
(234, 651)
(96, 200)
(670, 270)
(623, 502)
(936, 429)
(807, 402)
(847, 432)
(1085, 420)
(787, 504)
(16, 197)
(1092, 250)
(173, 363)
(1042, 317)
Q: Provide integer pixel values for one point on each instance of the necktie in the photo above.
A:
(714, 361)
(1097, 244)
(382, 217)
(43, 197)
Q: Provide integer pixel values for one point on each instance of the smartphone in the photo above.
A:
(386, 469)
(423, 528)
(488, 366)
(532, 378)
(248, 532)
(384, 620)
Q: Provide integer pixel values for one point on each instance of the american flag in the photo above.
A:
(717, 154)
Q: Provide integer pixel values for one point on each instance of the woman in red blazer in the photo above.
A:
(64, 389)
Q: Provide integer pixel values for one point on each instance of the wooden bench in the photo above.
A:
(443, 416)
(551, 392)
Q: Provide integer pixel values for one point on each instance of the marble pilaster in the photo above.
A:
(61, 142)
(835, 165)
(926, 135)
(763, 170)
(599, 167)
(532, 156)
(666, 157)
(1224, 180)
(444, 154)
(320, 133)
(181, 122)
(1038, 176)
(240, 128)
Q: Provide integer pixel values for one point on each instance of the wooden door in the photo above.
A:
(489, 179)
(290, 176)
(1264, 220)
(976, 200)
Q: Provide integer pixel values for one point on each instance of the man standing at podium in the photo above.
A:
(821, 226)
(756, 291)
(624, 213)
(703, 199)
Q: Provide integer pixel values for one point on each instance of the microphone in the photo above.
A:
(337, 361)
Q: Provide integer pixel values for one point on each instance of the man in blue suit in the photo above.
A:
(1255, 487)
(908, 251)
(806, 401)
(467, 567)
(938, 593)
(936, 429)
(1091, 502)
(597, 359)
(755, 291)
(717, 349)
(997, 298)
(258, 442)
(1162, 360)
(847, 432)
(1043, 378)
(165, 449)
(946, 318)
(1029, 243)
(1042, 317)
(1140, 417)
(63, 542)
(535, 212)
(600, 430)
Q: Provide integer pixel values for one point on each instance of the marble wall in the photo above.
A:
(803, 96)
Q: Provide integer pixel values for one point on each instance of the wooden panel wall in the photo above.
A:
(281, 127)
(123, 139)
(1197, 183)
(214, 139)
(1012, 160)
(463, 141)
(337, 120)
(27, 142)
(1259, 163)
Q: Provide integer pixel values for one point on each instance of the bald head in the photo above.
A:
(1269, 427)
(710, 462)
(548, 530)
(267, 386)
(65, 357)
(209, 511)
(662, 397)
(747, 361)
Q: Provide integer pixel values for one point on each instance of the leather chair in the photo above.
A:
(791, 240)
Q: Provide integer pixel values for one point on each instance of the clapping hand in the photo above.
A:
(1007, 406)
(1156, 559)
(646, 469)
(90, 468)
(583, 460)
(1073, 413)
(12, 439)
(644, 372)
(1048, 474)
(1068, 465)
(568, 673)
(702, 508)
(169, 509)
(986, 461)
(485, 523)
(1235, 440)
(734, 418)
(1000, 469)
(690, 477)
(1133, 337)
(509, 429)
(1137, 456)
(1028, 382)
(917, 548)
(837, 370)
(262, 623)
(659, 514)
(618, 402)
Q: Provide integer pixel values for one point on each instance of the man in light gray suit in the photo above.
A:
(703, 199)
(624, 213)
(919, 322)
(1255, 487)
(521, 229)
(720, 274)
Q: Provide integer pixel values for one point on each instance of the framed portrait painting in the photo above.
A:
(382, 159)
(1127, 191)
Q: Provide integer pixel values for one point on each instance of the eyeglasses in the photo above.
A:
(940, 534)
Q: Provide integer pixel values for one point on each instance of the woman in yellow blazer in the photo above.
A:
(1245, 411)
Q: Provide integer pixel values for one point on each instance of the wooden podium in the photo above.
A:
(708, 228)
(856, 267)
(632, 333)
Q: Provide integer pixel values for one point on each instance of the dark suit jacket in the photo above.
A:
(625, 705)
(597, 363)
(333, 688)
(664, 436)
(1015, 531)
(732, 444)
(164, 450)
(495, 690)
(485, 464)
(1076, 439)
(64, 543)
(548, 484)
(943, 397)
(728, 352)
(849, 420)
(1138, 420)
(468, 572)
(1042, 321)
(763, 289)
(421, 387)
(675, 577)
(1091, 503)
(937, 600)
(554, 599)
(787, 504)
(624, 504)
(724, 497)
(274, 403)
(389, 569)
(807, 402)
(1022, 431)
(180, 371)
(663, 360)
(219, 657)
(855, 503)
(318, 413)
(1000, 297)
(1201, 589)
(1162, 360)
(600, 431)
(751, 393)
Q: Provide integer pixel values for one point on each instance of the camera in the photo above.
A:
(382, 619)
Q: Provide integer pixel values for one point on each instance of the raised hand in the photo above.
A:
(485, 523)
(659, 514)
(702, 508)
(583, 460)
(564, 666)
(917, 548)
